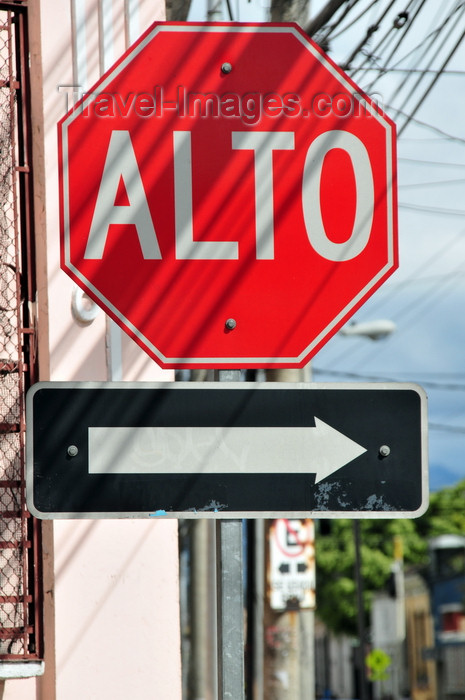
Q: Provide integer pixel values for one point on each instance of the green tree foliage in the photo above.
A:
(335, 554)
(446, 513)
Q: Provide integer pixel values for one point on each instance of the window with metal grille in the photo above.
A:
(454, 669)
(20, 555)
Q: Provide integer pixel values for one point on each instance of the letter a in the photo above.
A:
(120, 163)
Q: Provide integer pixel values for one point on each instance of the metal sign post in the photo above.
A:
(230, 597)
(230, 602)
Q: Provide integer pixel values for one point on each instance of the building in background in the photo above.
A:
(110, 587)
(447, 585)
(419, 659)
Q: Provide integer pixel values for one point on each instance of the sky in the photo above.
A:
(425, 298)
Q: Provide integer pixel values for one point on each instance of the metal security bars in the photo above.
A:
(20, 575)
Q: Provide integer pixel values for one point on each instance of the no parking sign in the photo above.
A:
(292, 564)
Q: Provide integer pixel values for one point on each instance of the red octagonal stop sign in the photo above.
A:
(227, 195)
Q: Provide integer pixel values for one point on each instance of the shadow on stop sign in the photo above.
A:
(227, 195)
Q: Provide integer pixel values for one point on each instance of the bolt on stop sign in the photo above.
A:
(227, 195)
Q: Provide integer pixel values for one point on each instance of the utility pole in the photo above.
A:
(323, 16)
(289, 11)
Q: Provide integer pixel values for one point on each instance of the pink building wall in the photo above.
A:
(111, 586)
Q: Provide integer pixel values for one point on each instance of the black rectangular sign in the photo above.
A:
(110, 450)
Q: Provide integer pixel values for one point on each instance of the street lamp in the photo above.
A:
(375, 330)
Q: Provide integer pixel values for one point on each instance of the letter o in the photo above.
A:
(311, 202)
(342, 105)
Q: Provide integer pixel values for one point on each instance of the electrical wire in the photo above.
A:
(433, 83)
(444, 134)
(413, 312)
(431, 183)
(392, 31)
(435, 34)
(427, 384)
(450, 278)
(230, 13)
(443, 288)
(434, 38)
(331, 27)
(394, 291)
(354, 20)
(431, 34)
(401, 39)
(432, 210)
(369, 32)
(383, 69)
(446, 428)
(433, 163)
(427, 45)
(427, 278)
(420, 68)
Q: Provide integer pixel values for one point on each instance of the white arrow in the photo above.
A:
(319, 450)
